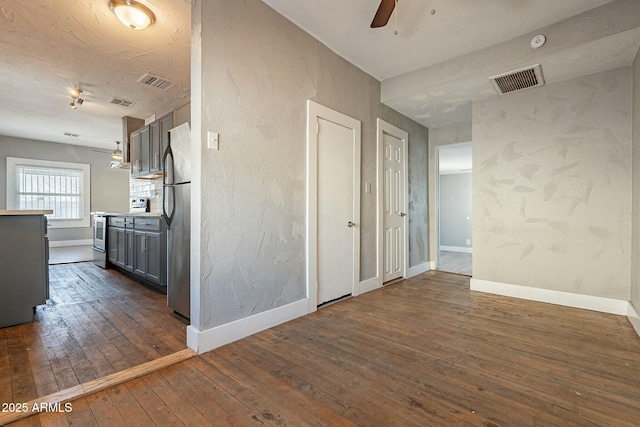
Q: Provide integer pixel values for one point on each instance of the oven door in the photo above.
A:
(100, 232)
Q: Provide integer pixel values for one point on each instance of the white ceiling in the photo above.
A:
(459, 27)
(48, 46)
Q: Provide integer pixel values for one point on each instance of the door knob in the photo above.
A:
(403, 214)
(351, 224)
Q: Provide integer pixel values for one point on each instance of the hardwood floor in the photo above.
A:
(96, 322)
(424, 351)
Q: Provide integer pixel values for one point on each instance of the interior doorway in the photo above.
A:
(454, 208)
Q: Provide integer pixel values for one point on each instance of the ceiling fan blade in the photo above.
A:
(383, 14)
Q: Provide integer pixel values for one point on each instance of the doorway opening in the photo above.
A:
(454, 208)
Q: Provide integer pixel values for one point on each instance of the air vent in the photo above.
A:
(121, 102)
(518, 80)
(155, 81)
(71, 135)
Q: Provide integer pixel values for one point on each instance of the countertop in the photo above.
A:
(143, 214)
(24, 212)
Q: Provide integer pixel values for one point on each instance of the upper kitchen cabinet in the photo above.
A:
(148, 145)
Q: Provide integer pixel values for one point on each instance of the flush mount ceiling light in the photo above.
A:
(132, 14)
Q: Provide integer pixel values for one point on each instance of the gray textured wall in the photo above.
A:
(552, 186)
(109, 187)
(440, 137)
(455, 210)
(257, 71)
(635, 254)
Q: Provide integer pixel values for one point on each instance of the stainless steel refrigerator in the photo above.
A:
(176, 205)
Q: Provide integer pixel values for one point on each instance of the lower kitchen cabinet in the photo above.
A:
(137, 245)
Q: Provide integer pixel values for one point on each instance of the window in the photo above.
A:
(59, 186)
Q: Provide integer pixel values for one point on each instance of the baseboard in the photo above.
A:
(65, 243)
(462, 249)
(633, 317)
(203, 341)
(587, 302)
(369, 285)
(419, 269)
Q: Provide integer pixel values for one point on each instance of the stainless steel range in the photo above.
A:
(139, 204)
(100, 239)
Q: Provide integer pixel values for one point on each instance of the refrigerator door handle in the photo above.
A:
(166, 159)
(168, 216)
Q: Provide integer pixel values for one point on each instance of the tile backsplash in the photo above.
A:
(151, 188)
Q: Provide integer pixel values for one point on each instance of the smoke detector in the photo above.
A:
(517, 80)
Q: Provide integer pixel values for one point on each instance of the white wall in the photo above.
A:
(256, 71)
(552, 186)
(109, 187)
(455, 210)
(635, 250)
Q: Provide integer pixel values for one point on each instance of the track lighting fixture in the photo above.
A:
(75, 98)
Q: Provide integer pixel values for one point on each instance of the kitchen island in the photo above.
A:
(24, 264)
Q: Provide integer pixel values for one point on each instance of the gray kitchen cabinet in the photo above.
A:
(134, 154)
(137, 245)
(153, 247)
(148, 145)
(140, 151)
(24, 267)
(117, 241)
(155, 146)
(129, 254)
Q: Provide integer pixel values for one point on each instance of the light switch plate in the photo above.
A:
(213, 141)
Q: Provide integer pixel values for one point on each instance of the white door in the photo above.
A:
(336, 220)
(394, 205)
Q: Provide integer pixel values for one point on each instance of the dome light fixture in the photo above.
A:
(132, 14)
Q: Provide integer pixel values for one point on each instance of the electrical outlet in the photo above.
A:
(468, 241)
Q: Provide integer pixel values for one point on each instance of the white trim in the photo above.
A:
(315, 111)
(587, 302)
(66, 243)
(419, 269)
(203, 341)
(369, 285)
(461, 249)
(382, 128)
(633, 317)
(85, 188)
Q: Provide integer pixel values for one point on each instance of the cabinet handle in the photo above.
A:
(139, 164)
(130, 238)
(144, 241)
(155, 160)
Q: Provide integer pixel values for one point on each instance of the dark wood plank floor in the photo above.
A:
(96, 322)
(425, 351)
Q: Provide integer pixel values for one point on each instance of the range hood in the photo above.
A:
(129, 124)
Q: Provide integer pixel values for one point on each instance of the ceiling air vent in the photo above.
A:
(121, 102)
(517, 80)
(71, 135)
(155, 81)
